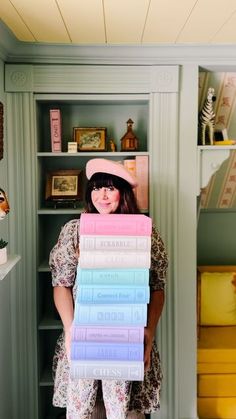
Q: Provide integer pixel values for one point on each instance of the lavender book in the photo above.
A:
(110, 314)
(109, 351)
(108, 334)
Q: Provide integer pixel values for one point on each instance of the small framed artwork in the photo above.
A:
(64, 185)
(90, 139)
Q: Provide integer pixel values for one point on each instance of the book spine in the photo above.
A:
(107, 370)
(109, 351)
(108, 334)
(115, 243)
(130, 165)
(142, 176)
(55, 127)
(96, 294)
(137, 277)
(115, 224)
(110, 315)
(103, 259)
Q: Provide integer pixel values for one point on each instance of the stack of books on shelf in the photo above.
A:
(138, 167)
(112, 297)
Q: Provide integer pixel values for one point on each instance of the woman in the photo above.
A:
(109, 190)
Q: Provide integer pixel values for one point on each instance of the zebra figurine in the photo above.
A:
(207, 117)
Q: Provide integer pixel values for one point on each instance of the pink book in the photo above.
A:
(142, 174)
(115, 224)
(55, 126)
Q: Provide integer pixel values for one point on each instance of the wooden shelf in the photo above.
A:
(50, 324)
(59, 211)
(8, 266)
(93, 154)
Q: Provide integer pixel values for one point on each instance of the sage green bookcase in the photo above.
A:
(99, 96)
(76, 111)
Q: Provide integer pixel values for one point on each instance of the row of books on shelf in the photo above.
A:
(109, 319)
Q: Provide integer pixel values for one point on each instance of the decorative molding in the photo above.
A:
(208, 56)
(163, 197)
(22, 236)
(19, 78)
(91, 79)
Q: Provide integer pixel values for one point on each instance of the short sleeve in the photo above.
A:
(159, 262)
(63, 258)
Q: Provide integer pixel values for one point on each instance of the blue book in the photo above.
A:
(107, 294)
(137, 277)
(107, 370)
(110, 314)
(109, 351)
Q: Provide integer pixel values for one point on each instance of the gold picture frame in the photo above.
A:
(64, 185)
(90, 139)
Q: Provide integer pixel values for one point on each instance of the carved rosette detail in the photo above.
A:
(164, 78)
(18, 78)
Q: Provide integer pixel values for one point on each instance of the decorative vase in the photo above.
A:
(3, 256)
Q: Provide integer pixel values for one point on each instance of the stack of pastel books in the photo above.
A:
(112, 297)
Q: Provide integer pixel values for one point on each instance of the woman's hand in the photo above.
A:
(148, 338)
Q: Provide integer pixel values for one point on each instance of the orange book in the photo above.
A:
(142, 176)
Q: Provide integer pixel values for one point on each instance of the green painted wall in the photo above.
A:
(216, 238)
(5, 302)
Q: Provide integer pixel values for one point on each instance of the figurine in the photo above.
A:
(129, 141)
(112, 145)
(207, 117)
(4, 205)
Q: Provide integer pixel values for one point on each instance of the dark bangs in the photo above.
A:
(104, 180)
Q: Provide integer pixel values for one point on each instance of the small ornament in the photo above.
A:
(112, 145)
(129, 141)
(207, 118)
(72, 146)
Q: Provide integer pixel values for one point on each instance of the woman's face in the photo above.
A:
(106, 199)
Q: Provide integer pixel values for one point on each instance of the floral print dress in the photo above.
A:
(79, 396)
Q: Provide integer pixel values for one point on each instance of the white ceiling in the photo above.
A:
(127, 22)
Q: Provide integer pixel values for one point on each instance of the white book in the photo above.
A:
(103, 259)
(115, 243)
(107, 370)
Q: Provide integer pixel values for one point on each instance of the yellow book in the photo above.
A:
(225, 142)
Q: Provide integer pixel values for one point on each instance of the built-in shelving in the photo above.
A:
(210, 159)
(75, 111)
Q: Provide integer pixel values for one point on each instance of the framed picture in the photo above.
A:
(90, 139)
(64, 185)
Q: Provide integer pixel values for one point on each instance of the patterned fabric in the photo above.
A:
(80, 397)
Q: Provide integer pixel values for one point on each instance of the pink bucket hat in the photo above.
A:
(111, 167)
